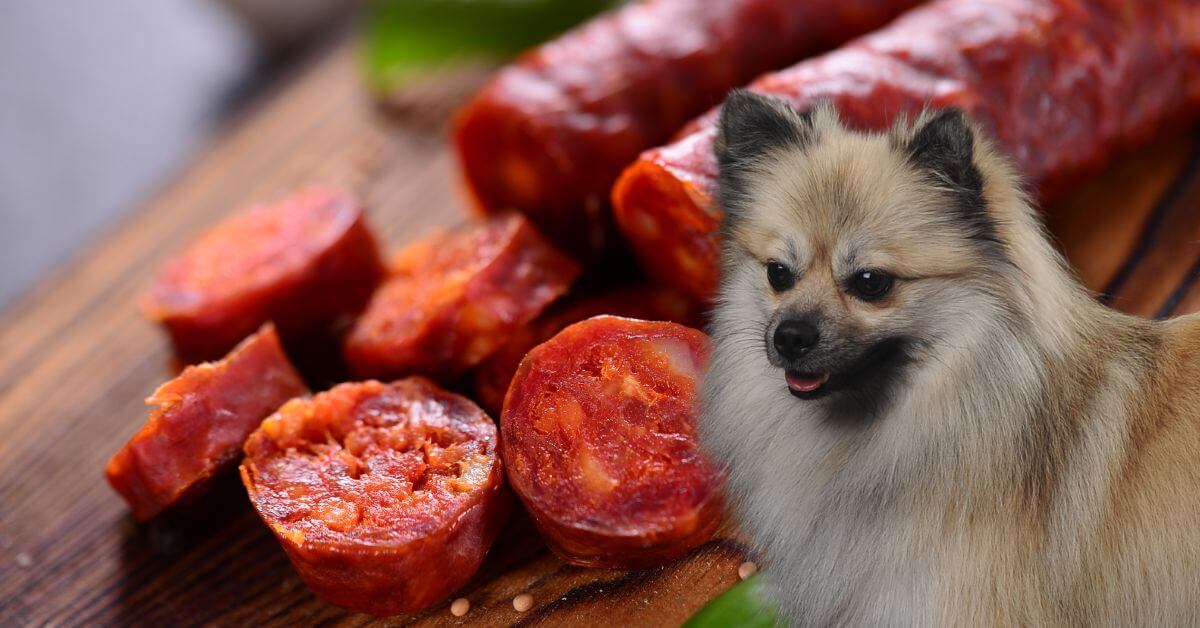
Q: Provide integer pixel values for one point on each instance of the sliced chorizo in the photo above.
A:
(1062, 84)
(454, 297)
(202, 419)
(307, 262)
(655, 303)
(386, 497)
(599, 438)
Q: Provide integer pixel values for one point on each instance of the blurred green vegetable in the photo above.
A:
(404, 38)
(742, 606)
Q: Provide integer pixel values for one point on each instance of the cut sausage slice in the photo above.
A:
(599, 438)
(655, 303)
(202, 419)
(306, 262)
(386, 497)
(455, 297)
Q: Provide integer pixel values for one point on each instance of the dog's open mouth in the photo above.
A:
(879, 365)
(806, 385)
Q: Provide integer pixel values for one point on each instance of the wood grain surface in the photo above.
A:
(76, 362)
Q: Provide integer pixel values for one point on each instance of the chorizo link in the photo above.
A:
(550, 133)
(1062, 85)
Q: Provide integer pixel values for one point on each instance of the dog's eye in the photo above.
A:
(779, 276)
(869, 285)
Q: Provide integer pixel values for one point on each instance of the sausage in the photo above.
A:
(1062, 85)
(304, 261)
(493, 376)
(455, 297)
(549, 134)
(599, 438)
(385, 497)
(203, 416)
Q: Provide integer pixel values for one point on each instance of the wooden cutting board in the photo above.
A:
(76, 362)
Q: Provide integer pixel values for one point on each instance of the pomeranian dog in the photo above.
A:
(926, 419)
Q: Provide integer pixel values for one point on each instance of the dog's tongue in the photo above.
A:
(806, 383)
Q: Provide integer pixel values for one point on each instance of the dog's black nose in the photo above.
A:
(794, 338)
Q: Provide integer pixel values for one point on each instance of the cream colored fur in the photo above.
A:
(1040, 463)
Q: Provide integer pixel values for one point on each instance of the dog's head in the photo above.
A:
(850, 257)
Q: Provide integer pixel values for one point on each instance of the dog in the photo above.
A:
(925, 417)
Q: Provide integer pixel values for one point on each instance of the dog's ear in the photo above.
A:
(750, 126)
(943, 146)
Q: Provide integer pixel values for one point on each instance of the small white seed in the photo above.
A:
(747, 569)
(459, 607)
(523, 602)
(24, 561)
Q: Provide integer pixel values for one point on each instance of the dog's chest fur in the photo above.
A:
(989, 524)
(856, 534)
(945, 509)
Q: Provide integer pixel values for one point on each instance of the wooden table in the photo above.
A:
(76, 362)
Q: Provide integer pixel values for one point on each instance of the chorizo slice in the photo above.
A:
(386, 497)
(599, 438)
(492, 377)
(307, 262)
(549, 134)
(455, 297)
(202, 419)
(1062, 84)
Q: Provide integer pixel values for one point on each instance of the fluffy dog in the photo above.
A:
(927, 420)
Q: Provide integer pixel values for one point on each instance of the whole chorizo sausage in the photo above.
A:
(386, 497)
(599, 438)
(1062, 84)
(549, 134)
(202, 419)
(304, 262)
